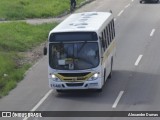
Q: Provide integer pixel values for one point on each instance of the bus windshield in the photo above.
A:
(73, 56)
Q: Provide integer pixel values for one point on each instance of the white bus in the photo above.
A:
(81, 50)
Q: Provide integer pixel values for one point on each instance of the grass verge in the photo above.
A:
(21, 9)
(18, 37)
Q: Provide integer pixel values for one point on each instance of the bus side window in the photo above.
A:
(110, 32)
(105, 36)
(102, 45)
(108, 35)
(103, 41)
(113, 29)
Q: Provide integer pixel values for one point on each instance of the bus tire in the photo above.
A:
(59, 91)
(110, 74)
(104, 79)
(99, 90)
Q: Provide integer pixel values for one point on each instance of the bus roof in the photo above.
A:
(87, 21)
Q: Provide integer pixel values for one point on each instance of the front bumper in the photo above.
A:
(95, 84)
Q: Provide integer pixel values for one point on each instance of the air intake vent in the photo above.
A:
(89, 14)
(77, 24)
(81, 27)
(83, 19)
(86, 17)
(84, 24)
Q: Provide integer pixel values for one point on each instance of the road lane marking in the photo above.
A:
(127, 5)
(120, 12)
(40, 102)
(152, 32)
(132, 0)
(138, 60)
(118, 99)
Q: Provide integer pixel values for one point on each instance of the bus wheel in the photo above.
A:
(59, 91)
(110, 74)
(99, 90)
(105, 78)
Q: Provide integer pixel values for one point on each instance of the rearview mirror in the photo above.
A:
(45, 50)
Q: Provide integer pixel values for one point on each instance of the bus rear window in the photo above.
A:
(73, 36)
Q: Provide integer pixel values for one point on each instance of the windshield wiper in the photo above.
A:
(81, 46)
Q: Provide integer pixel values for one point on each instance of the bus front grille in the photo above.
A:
(74, 84)
(74, 77)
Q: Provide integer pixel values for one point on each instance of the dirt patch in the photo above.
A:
(32, 56)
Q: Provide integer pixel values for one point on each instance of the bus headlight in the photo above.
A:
(94, 77)
(55, 78)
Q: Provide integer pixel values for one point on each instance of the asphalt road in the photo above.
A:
(136, 72)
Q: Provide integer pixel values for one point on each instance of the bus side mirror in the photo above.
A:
(45, 50)
(102, 42)
(110, 11)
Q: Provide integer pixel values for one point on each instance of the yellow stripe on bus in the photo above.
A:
(110, 49)
(74, 79)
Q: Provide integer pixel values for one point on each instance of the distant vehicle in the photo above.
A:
(154, 1)
(81, 50)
